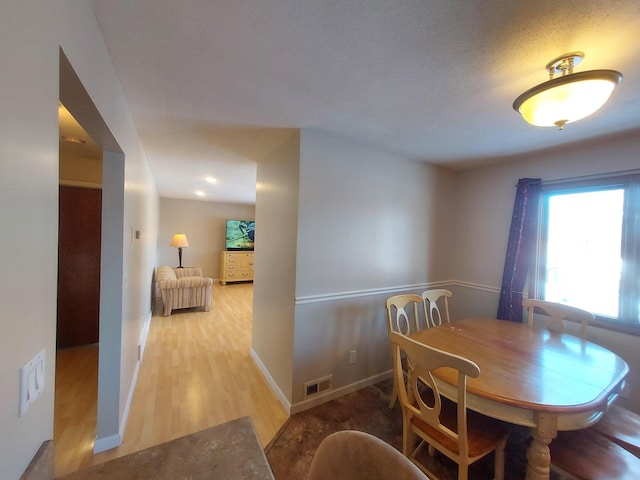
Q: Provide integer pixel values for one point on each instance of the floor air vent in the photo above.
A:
(316, 386)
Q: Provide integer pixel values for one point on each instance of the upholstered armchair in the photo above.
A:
(183, 288)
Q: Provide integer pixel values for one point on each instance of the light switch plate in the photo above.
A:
(32, 376)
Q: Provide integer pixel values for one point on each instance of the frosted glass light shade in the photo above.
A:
(568, 98)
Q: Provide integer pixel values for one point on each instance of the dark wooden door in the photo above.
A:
(79, 229)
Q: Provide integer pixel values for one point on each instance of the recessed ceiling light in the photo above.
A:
(211, 179)
(200, 193)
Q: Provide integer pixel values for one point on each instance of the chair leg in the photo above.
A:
(409, 438)
(498, 464)
(463, 472)
(394, 397)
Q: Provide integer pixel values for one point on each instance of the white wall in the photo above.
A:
(28, 213)
(204, 223)
(36, 30)
(370, 224)
(369, 219)
(275, 265)
(483, 216)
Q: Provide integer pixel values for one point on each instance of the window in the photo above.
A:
(590, 248)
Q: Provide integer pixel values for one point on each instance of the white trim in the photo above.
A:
(143, 337)
(271, 382)
(107, 443)
(113, 441)
(476, 286)
(330, 297)
(339, 392)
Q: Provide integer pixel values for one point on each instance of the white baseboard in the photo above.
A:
(113, 441)
(339, 392)
(143, 337)
(321, 398)
(271, 382)
(107, 443)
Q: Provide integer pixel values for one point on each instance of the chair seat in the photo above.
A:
(621, 426)
(588, 455)
(483, 433)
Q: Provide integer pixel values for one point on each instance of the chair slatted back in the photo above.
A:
(424, 360)
(403, 314)
(557, 314)
(433, 315)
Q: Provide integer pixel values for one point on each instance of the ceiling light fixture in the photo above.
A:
(569, 97)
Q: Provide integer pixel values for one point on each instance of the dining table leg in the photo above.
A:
(538, 455)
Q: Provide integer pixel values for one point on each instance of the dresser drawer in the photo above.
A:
(236, 267)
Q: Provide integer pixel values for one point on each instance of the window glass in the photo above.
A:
(584, 237)
(589, 248)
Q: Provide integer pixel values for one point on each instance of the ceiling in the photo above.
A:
(213, 86)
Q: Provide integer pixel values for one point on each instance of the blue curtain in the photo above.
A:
(520, 249)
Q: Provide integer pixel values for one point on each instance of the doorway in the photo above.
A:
(78, 312)
(74, 97)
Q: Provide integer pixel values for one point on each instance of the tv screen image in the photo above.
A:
(240, 234)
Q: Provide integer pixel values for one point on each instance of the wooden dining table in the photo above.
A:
(533, 377)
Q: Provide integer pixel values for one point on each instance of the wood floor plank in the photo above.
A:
(196, 373)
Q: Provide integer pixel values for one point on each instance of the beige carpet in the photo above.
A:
(291, 451)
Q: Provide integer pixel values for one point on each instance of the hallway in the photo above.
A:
(196, 372)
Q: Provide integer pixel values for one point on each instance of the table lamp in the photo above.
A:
(179, 241)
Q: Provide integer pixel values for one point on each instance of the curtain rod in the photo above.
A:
(593, 177)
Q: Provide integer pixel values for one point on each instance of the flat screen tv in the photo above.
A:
(240, 234)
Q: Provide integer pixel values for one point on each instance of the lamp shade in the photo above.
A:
(567, 98)
(179, 240)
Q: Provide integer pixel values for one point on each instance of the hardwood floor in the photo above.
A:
(196, 372)
(74, 427)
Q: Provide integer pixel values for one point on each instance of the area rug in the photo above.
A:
(290, 452)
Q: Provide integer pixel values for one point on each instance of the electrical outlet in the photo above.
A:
(353, 356)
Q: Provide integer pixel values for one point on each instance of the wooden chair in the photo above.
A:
(448, 427)
(403, 316)
(588, 455)
(353, 455)
(621, 426)
(432, 314)
(557, 314)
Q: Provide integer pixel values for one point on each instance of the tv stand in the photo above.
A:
(236, 266)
